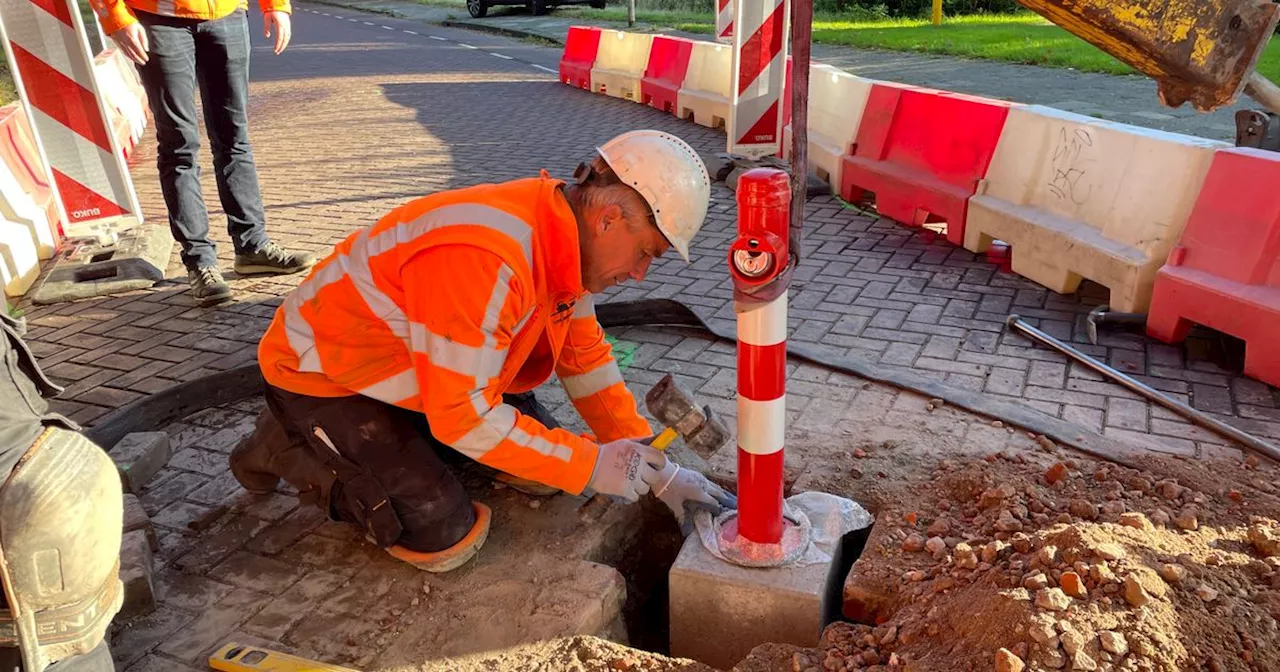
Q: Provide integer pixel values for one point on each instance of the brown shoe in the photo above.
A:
(456, 555)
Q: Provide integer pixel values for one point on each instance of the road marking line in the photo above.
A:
(387, 28)
(437, 37)
(543, 67)
(366, 23)
(502, 56)
(410, 32)
(466, 46)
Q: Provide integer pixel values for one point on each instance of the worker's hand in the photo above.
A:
(132, 40)
(625, 469)
(685, 491)
(283, 25)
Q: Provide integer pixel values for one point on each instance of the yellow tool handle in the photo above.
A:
(233, 657)
(665, 438)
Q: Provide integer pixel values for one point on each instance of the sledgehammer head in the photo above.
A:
(702, 432)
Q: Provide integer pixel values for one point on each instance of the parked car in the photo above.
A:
(479, 8)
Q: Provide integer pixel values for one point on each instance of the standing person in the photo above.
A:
(176, 45)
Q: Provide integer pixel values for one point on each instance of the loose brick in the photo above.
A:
(135, 573)
(139, 456)
(136, 519)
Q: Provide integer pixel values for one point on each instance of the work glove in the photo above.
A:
(624, 469)
(685, 491)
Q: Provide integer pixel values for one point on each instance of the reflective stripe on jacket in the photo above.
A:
(116, 14)
(447, 303)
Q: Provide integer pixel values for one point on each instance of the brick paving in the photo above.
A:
(355, 119)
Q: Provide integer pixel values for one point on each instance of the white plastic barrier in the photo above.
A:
(17, 207)
(620, 64)
(19, 259)
(836, 102)
(704, 98)
(1077, 197)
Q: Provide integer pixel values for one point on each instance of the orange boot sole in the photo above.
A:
(456, 555)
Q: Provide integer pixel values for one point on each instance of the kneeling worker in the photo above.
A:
(431, 328)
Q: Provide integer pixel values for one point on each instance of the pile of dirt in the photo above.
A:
(1041, 561)
(569, 654)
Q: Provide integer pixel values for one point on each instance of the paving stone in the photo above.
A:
(160, 663)
(257, 572)
(136, 518)
(211, 627)
(204, 462)
(294, 604)
(132, 640)
(231, 534)
(1127, 414)
(135, 574)
(163, 493)
(139, 456)
(181, 590)
(177, 515)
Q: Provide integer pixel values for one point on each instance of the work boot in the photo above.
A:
(208, 287)
(268, 454)
(273, 260)
(456, 555)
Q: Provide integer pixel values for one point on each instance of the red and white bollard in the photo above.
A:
(756, 258)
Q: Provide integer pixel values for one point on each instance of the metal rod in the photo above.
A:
(1264, 91)
(801, 38)
(1248, 440)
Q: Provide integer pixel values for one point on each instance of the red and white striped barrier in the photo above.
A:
(759, 67)
(724, 20)
(54, 71)
(758, 256)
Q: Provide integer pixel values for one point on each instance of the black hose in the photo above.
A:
(157, 410)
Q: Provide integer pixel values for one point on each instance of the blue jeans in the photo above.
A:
(214, 54)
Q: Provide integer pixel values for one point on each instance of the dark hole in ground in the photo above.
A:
(644, 558)
(100, 273)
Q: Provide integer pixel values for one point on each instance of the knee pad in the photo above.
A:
(61, 516)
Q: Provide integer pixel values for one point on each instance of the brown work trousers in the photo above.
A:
(391, 480)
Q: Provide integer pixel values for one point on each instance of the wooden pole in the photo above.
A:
(631, 13)
(801, 38)
(937, 12)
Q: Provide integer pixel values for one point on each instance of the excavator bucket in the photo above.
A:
(1201, 51)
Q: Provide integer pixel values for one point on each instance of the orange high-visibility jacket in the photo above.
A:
(446, 304)
(116, 14)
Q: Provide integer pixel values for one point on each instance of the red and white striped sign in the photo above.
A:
(759, 71)
(53, 68)
(724, 20)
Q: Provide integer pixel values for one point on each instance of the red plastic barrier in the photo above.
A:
(18, 151)
(1225, 271)
(664, 75)
(579, 56)
(922, 153)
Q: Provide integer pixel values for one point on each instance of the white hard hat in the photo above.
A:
(669, 175)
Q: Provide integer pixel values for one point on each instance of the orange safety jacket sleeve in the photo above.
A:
(117, 14)
(593, 381)
(464, 306)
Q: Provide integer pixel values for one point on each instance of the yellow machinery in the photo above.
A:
(1198, 51)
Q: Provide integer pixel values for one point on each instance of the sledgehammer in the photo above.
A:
(702, 432)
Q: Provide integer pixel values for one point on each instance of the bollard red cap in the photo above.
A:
(764, 188)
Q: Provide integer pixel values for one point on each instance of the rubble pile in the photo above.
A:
(1005, 563)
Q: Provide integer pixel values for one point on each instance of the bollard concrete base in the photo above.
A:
(139, 456)
(720, 611)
